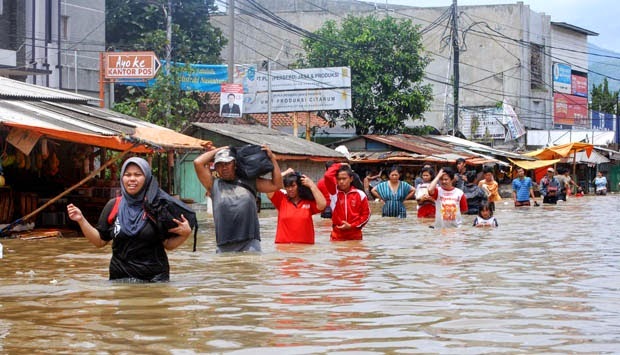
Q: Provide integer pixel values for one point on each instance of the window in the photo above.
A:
(64, 26)
(536, 66)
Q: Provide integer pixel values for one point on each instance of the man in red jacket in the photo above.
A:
(350, 209)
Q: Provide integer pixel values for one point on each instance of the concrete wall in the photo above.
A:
(495, 57)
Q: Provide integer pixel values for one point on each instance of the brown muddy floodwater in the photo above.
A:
(546, 281)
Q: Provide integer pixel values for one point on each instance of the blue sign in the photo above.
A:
(200, 77)
(562, 78)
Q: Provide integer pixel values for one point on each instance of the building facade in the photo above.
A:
(54, 43)
(506, 52)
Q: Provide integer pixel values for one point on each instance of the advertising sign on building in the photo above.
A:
(300, 100)
(570, 110)
(483, 123)
(579, 85)
(231, 100)
(562, 78)
(131, 65)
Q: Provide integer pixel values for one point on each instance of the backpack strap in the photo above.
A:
(114, 211)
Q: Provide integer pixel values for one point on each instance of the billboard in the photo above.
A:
(299, 100)
(482, 123)
(130, 65)
(570, 110)
(296, 79)
(562, 78)
(579, 85)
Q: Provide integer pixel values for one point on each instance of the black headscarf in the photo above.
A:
(131, 214)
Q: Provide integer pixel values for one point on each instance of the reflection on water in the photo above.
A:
(546, 280)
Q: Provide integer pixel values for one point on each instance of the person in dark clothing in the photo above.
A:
(474, 194)
(138, 246)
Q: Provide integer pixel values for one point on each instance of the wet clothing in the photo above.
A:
(550, 189)
(327, 212)
(235, 213)
(522, 188)
(295, 223)
(426, 208)
(491, 222)
(449, 205)
(351, 207)
(564, 181)
(394, 206)
(141, 256)
(475, 197)
(600, 184)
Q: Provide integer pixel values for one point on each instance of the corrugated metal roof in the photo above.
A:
(479, 147)
(79, 118)
(279, 142)
(16, 90)
(415, 144)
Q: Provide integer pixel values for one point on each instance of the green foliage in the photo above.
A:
(387, 65)
(141, 26)
(603, 99)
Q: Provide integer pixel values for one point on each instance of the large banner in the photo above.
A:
(570, 110)
(289, 80)
(302, 100)
(198, 77)
(514, 127)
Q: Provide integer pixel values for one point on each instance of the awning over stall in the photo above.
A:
(561, 151)
(533, 164)
(85, 124)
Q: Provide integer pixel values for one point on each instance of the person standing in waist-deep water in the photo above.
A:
(296, 205)
(459, 175)
(426, 204)
(235, 212)
(393, 193)
(473, 193)
(522, 189)
(350, 209)
(138, 247)
(490, 186)
(550, 187)
(600, 184)
(450, 201)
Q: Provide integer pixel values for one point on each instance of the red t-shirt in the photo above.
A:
(295, 223)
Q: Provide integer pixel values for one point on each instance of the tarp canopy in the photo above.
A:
(561, 151)
(85, 124)
(533, 164)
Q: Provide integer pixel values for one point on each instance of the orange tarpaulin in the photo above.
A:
(561, 151)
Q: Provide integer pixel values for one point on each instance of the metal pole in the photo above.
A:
(231, 40)
(268, 92)
(75, 63)
(455, 49)
(59, 64)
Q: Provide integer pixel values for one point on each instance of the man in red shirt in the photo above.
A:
(350, 209)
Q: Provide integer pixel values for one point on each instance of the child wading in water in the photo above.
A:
(485, 217)
(450, 201)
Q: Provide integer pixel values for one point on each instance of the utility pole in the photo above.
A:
(168, 35)
(231, 40)
(455, 66)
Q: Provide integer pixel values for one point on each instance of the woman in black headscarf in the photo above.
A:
(138, 248)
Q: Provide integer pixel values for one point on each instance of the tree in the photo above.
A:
(387, 65)
(604, 100)
(141, 25)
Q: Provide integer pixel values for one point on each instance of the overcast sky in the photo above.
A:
(601, 16)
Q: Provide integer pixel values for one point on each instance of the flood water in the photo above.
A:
(546, 281)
